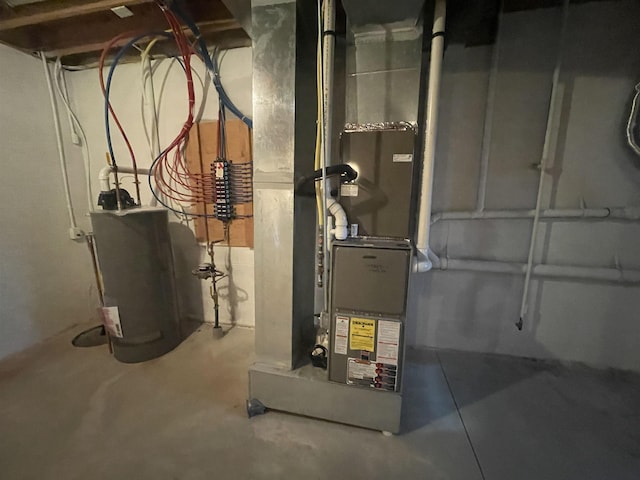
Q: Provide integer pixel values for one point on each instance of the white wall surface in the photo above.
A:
(236, 295)
(46, 281)
(568, 320)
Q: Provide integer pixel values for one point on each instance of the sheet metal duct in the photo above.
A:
(383, 58)
(362, 13)
(284, 115)
(241, 11)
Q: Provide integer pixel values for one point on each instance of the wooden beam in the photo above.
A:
(225, 40)
(53, 10)
(206, 29)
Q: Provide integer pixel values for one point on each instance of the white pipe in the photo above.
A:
(553, 101)
(631, 123)
(423, 263)
(73, 227)
(328, 13)
(149, 103)
(488, 119)
(611, 213)
(106, 171)
(341, 224)
(615, 275)
(77, 138)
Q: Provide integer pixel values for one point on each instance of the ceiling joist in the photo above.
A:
(51, 11)
(81, 28)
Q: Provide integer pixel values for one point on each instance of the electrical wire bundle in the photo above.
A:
(173, 180)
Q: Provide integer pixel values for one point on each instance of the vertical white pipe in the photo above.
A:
(488, 119)
(78, 132)
(149, 99)
(58, 131)
(328, 48)
(553, 100)
(423, 263)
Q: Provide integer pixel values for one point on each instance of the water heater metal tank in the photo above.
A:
(136, 262)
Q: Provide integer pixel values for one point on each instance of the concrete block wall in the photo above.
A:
(591, 164)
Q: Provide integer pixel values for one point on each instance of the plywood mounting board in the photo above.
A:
(202, 150)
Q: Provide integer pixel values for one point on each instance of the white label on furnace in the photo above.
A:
(111, 320)
(341, 335)
(360, 370)
(349, 190)
(388, 342)
(402, 157)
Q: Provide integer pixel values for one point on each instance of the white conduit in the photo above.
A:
(75, 125)
(149, 108)
(488, 119)
(612, 213)
(553, 100)
(613, 275)
(423, 263)
(326, 12)
(63, 164)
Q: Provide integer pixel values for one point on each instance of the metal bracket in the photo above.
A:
(255, 407)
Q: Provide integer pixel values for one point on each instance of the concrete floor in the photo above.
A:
(71, 413)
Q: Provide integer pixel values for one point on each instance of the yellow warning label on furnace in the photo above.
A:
(362, 334)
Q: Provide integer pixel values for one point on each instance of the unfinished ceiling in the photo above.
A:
(79, 29)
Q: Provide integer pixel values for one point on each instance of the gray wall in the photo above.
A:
(593, 323)
(46, 281)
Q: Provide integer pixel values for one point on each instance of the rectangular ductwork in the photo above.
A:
(383, 60)
(401, 13)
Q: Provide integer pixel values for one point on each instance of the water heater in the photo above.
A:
(136, 263)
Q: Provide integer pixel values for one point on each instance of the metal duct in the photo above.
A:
(361, 13)
(284, 115)
(383, 59)
(241, 11)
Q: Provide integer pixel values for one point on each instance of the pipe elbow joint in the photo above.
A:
(422, 263)
(103, 176)
(341, 230)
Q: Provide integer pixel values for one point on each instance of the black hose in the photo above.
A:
(305, 185)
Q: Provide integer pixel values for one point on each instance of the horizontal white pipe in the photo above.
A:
(423, 264)
(615, 275)
(616, 213)
(106, 171)
(341, 225)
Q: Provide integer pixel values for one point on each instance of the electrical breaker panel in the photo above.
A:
(369, 283)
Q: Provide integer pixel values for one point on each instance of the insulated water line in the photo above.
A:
(423, 263)
(553, 100)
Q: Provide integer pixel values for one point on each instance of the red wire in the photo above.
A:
(171, 173)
